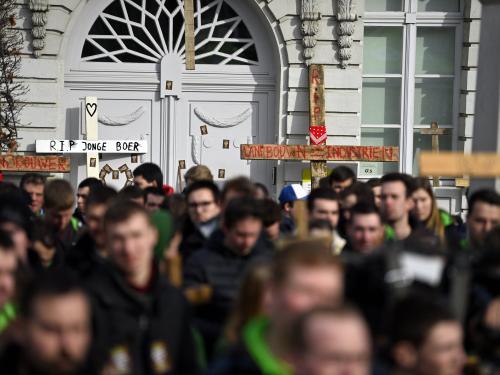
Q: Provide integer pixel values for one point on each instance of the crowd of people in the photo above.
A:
(351, 278)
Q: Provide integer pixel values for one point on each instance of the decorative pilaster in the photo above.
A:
(346, 17)
(39, 9)
(310, 17)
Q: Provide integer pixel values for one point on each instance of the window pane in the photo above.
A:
(378, 137)
(435, 50)
(384, 5)
(433, 101)
(424, 143)
(438, 5)
(383, 47)
(381, 103)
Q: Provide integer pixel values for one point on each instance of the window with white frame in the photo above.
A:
(411, 78)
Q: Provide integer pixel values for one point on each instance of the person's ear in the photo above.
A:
(405, 355)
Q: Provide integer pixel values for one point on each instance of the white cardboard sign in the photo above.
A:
(79, 146)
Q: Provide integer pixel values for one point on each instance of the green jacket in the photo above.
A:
(7, 316)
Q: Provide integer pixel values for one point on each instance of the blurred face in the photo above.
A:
(95, 223)
(335, 346)
(377, 194)
(8, 267)
(243, 236)
(422, 204)
(59, 219)
(442, 352)
(273, 231)
(142, 183)
(57, 336)
(130, 245)
(35, 191)
(305, 288)
(154, 202)
(395, 205)
(481, 220)
(20, 239)
(202, 206)
(81, 197)
(365, 232)
(338, 186)
(326, 209)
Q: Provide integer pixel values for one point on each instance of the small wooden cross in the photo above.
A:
(435, 132)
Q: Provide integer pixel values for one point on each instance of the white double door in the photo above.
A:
(196, 128)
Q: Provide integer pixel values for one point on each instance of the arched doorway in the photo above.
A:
(130, 54)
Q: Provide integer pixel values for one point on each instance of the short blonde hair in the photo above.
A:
(198, 173)
(58, 195)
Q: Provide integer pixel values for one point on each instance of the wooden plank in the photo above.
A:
(189, 34)
(457, 164)
(321, 152)
(32, 163)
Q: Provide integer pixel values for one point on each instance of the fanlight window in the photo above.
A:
(143, 31)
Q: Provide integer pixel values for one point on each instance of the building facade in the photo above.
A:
(391, 68)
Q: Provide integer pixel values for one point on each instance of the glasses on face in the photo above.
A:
(204, 204)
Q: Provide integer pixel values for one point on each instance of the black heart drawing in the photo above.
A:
(91, 109)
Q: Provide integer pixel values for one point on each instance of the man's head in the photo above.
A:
(8, 268)
(374, 184)
(288, 195)
(358, 192)
(96, 205)
(365, 229)
(305, 274)
(56, 324)
(397, 202)
(271, 216)
(33, 184)
(341, 178)
(237, 187)
(242, 225)
(154, 198)
(130, 239)
(331, 341)
(483, 215)
(132, 193)
(323, 203)
(426, 338)
(59, 201)
(83, 191)
(198, 173)
(203, 201)
(148, 174)
(17, 220)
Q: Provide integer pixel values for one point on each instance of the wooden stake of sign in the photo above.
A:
(91, 129)
(189, 34)
(453, 164)
(317, 127)
(435, 132)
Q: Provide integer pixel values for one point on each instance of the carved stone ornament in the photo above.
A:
(346, 17)
(39, 9)
(310, 18)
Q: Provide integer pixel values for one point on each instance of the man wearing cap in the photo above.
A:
(289, 194)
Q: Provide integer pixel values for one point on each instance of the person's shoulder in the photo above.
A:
(237, 360)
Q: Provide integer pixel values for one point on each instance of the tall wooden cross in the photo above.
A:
(435, 132)
(189, 34)
(317, 152)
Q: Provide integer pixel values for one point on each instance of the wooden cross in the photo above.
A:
(189, 34)
(435, 132)
(317, 152)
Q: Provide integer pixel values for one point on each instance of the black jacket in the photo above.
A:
(141, 333)
(84, 258)
(222, 269)
(192, 240)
